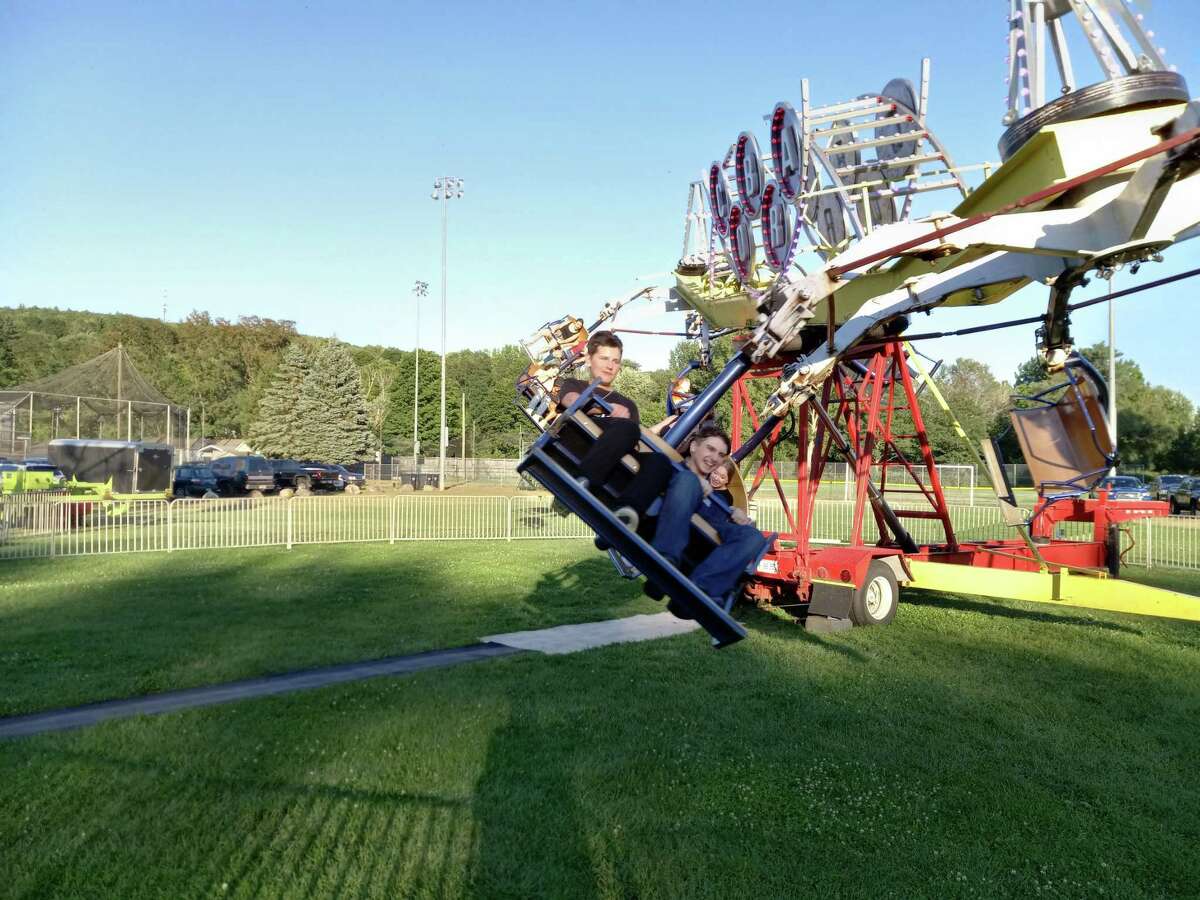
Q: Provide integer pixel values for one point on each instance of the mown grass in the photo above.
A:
(969, 749)
(76, 630)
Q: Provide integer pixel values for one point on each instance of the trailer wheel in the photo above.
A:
(875, 602)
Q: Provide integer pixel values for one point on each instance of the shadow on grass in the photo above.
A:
(164, 623)
(662, 768)
(779, 623)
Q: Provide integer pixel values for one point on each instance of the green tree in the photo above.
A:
(333, 425)
(977, 399)
(278, 429)
(398, 418)
(1184, 453)
(8, 352)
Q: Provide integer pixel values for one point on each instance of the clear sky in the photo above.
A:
(276, 158)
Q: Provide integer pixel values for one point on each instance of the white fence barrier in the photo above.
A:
(31, 527)
(959, 480)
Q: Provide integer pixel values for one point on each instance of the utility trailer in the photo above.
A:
(120, 467)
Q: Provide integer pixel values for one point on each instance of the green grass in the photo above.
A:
(76, 630)
(970, 749)
(1169, 579)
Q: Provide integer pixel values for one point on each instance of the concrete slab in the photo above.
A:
(573, 638)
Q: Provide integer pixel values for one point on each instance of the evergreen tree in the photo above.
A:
(398, 420)
(333, 422)
(8, 352)
(277, 429)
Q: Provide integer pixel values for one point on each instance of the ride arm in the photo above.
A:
(1005, 249)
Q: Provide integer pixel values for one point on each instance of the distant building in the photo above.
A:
(210, 450)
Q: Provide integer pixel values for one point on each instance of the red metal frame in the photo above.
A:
(866, 398)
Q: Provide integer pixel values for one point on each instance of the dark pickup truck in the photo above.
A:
(1187, 496)
(242, 474)
(323, 477)
(289, 474)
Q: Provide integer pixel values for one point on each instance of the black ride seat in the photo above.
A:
(553, 461)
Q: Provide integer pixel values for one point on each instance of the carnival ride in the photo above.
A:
(816, 258)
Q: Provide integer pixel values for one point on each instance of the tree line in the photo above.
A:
(294, 395)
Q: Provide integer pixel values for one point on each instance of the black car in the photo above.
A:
(193, 481)
(242, 474)
(1187, 496)
(323, 477)
(289, 474)
(358, 479)
(1164, 486)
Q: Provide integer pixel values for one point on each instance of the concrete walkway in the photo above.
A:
(573, 638)
(307, 679)
(561, 639)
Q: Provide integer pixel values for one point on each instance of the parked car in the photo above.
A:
(1186, 496)
(1124, 487)
(289, 474)
(358, 479)
(1164, 486)
(323, 477)
(242, 474)
(193, 481)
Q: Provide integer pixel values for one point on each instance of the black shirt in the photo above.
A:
(612, 398)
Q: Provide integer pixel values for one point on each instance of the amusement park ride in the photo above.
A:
(808, 248)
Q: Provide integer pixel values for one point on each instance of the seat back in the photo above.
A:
(1061, 446)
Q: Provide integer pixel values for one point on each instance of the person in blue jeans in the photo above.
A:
(741, 542)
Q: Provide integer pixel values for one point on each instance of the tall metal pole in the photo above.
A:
(420, 289)
(443, 189)
(462, 424)
(1112, 367)
(442, 429)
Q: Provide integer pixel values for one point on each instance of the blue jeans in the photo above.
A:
(717, 574)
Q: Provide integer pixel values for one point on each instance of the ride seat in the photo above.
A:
(588, 425)
(1067, 442)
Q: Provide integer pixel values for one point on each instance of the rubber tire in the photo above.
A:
(882, 573)
(1094, 100)
(1174, 508)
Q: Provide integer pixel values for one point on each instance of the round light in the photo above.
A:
(787, 150)
(718, 197)
(777, 228)
(748, 169)
(741, 243)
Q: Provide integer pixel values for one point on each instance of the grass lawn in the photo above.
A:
(971, 748)
(76, 630)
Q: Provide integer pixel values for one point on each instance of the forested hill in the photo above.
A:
(225, 364)
(224, 367)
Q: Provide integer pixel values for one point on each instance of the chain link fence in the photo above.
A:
(32, 526)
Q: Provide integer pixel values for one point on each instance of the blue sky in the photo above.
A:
(276, 159)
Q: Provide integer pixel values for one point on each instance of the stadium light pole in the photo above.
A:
(420, 289)
(444, 188)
